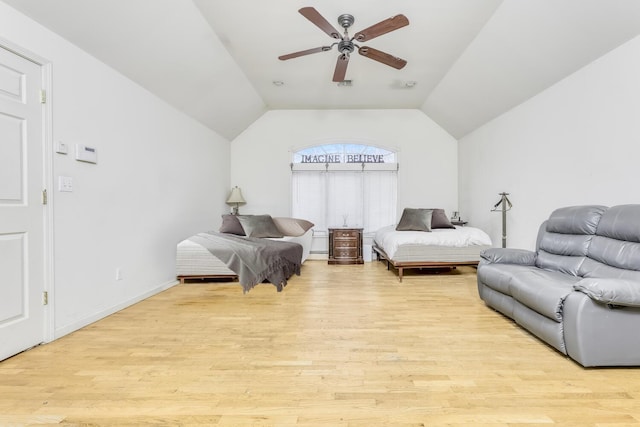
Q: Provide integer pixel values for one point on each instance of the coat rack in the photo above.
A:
(506, 206)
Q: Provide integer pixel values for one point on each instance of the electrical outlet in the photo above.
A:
(118, 273)
(65, 184)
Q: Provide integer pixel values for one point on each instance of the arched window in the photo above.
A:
(345, 184)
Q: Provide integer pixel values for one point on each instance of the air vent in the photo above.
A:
(347, 83)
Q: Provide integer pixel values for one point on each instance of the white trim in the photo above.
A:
(47, 136)
(67, 329)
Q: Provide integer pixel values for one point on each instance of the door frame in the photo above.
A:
(47, 177)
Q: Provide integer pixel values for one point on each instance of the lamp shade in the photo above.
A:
(235, 198)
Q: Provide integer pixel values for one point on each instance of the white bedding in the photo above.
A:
(388, 239)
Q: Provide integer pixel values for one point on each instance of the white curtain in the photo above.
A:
(361, 198)
(380, 198)
(344, 199)
(309, 197)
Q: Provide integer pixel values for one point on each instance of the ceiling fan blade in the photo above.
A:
(380, 56)
(314, 16)
(382, 27)
(304, 52)
(341, 68)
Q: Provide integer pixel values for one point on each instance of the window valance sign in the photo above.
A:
(344, 157)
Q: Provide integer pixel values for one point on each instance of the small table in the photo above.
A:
(345, 245)
(460, 223)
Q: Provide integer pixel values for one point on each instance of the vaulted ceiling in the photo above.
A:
(217, 60)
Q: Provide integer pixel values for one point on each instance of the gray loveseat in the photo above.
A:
(580, 290)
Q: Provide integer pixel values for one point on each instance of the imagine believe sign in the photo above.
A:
(342, 158)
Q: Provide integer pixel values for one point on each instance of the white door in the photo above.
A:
(21, 208)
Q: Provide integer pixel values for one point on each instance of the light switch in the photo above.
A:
(65, 184)
(61, 148)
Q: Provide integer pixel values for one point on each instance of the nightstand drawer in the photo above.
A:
(348, 234)
(345, 243)
(345, 253)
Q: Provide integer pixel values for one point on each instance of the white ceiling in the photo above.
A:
(216, 60)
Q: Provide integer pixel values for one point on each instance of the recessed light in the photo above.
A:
(410, 84)
(347, 83)
(278, 83)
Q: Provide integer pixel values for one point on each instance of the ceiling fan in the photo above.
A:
(346, 45)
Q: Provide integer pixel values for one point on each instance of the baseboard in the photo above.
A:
(59, 333)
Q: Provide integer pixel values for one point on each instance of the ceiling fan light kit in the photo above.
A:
(346, 44)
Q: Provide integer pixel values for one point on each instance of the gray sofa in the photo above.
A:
(580, 290)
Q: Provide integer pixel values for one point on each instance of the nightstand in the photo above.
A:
(461, 223)
(345, 245)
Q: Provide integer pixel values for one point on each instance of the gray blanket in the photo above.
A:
(254, 260)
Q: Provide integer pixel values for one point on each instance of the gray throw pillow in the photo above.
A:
(415, 220)
(259, 226)
(231, 225)
(439, 219)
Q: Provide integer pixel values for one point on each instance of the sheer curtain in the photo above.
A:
(309, 197)
(365, 198)
(380, 195)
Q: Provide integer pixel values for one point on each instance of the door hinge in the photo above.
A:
(45, 298)
(43, 96)
(44, 196)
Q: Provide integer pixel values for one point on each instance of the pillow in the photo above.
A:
(231, 225)
(259, 226)
(292, 226)
(415, 220)
(439, 219)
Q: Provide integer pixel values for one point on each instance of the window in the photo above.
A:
(338, 184)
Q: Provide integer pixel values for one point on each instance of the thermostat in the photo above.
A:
(86, 154)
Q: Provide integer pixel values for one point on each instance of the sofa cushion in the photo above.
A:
(575, 219)
(591, 268)
(543, 291)
(498, 276)
(616, 253)
(621, 223)
(564, 264)
(565, 244)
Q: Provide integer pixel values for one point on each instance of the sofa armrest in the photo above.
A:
(611, 291)
(508, 256)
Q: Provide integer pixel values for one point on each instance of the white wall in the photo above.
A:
(261, 155)
(575, 143)
(160, 177)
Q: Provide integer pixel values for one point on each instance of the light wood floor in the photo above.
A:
(340, 346)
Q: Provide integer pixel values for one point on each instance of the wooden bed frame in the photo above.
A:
(402, 265)
(230, 277)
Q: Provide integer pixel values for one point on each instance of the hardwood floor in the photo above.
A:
(340, 346)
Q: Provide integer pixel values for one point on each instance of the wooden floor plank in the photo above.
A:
(343, 345)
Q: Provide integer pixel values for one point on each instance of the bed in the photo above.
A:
(445, 246)
(199, 256)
